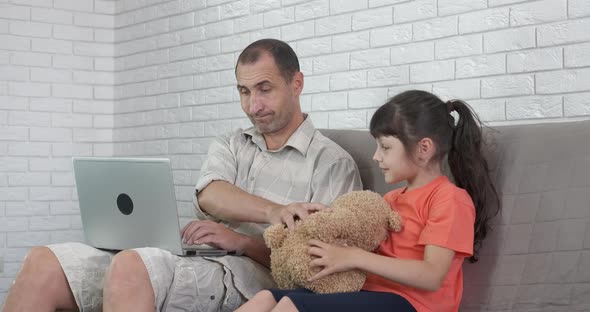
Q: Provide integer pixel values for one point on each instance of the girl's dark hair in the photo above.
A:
(413, 115)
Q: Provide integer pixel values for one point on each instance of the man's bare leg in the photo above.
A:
(127, 285)
(41, 285)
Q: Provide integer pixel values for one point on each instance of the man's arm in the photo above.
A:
(228, 202)
(256, 250)
(219, 197)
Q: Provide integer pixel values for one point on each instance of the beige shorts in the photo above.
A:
(179, 283)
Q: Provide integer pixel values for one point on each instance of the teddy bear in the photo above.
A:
(360, 218)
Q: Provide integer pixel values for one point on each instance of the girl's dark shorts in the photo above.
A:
(364, 301)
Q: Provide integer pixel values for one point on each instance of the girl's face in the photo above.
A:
(393, 160)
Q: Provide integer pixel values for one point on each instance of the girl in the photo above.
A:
(418, 269)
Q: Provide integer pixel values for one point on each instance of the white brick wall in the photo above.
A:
(55, 82)
(129, 77)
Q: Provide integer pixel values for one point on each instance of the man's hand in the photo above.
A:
(287, 214)
(214, 234)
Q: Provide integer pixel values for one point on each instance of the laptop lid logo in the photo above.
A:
(125, 204)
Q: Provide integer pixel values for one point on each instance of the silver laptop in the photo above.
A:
(129, 203)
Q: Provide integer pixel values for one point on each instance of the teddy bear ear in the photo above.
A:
(394, 221)
(274, 235)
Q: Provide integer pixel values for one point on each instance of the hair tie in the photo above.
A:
(450, 106)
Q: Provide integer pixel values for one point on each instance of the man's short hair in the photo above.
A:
(283, 55)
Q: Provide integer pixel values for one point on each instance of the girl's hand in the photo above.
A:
(331, 258)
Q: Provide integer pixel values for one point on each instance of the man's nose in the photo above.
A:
(254, 105)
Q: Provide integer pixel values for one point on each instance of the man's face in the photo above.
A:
(267, 99)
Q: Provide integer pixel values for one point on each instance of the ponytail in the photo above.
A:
(471, 171)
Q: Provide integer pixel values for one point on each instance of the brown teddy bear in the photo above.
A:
(360, 218)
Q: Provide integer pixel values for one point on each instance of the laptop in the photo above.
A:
(130, 203)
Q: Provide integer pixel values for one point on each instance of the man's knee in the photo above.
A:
(127, 282)
(125, 265)
(41, 281)
(127, 269)
(41, 264)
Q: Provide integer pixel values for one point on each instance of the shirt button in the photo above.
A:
(212, 297)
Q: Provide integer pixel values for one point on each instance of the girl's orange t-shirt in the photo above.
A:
(440, 214)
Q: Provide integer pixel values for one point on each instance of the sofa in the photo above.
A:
(537, 257)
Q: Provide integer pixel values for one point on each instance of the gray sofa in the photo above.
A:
(538, 256)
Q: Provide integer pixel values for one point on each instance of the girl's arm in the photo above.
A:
(427, 274)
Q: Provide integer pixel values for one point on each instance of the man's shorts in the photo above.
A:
(179, 283)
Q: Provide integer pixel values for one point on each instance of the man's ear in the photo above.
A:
(425, 149)
(297, 83)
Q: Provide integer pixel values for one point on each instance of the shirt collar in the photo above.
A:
(299, 140)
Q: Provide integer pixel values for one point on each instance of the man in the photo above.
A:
(278, 170)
